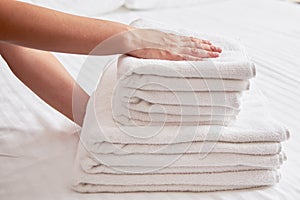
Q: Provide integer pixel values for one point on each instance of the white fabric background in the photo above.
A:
(37, 144)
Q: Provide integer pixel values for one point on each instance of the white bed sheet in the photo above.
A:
(38, 145)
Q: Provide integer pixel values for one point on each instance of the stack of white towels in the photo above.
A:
(131, 149)
(151, 92)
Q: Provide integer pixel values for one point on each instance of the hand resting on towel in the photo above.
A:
(154, 44)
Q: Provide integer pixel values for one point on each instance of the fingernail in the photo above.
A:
(218, 49)
(213, 54)
(214, 48)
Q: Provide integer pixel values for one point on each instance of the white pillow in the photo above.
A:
(81, 7)
(150, 4)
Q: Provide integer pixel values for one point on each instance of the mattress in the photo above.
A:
(38, 145)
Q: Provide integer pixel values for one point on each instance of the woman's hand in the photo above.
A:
(154, 44)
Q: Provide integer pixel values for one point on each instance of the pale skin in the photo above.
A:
(29, 33)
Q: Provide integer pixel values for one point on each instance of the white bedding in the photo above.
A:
(37, 145)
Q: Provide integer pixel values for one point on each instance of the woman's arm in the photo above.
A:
(46, 77)
(41, 28)
(45, 29)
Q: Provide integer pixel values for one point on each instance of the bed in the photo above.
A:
(38, 145)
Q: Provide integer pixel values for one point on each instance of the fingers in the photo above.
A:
(166, 46)
(196, 40)
(186, 54)
(195, 47)
(190, 54)
(206, 47)
(182, 57)
(171, 55)
(200, 53)
(189, 40)
(209, 47)
(202, 44)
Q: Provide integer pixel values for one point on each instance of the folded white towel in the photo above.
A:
(252, 148)
(241, 179)
(226, 99)
(143, 106)
(217, 69)
(136, 122)
(255, 178)
(159, 83)
(233, 63)
(188, 160)
(88, 165)
(134, 118)
(90, 188)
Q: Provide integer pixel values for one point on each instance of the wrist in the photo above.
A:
(128, 40)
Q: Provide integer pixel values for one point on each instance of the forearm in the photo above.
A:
(45, 76)
(50, 30)
(45, 29)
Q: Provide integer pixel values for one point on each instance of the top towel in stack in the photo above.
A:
(161, 92)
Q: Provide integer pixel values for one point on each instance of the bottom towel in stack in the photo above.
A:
(113, 158)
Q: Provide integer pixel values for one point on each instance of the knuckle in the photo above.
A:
(177, 57)
(194, 51)
(193, 39)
